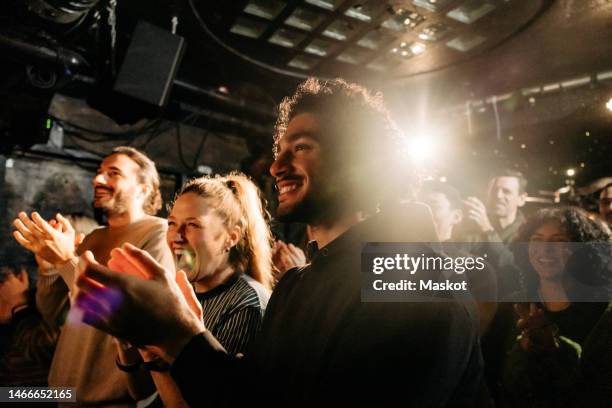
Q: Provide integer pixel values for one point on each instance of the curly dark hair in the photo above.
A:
(594, 251)
(358, 135)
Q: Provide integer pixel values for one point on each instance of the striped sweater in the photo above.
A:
(233, 311)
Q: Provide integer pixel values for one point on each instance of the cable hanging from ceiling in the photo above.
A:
(245, 57)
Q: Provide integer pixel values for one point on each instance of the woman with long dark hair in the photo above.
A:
(564, 257)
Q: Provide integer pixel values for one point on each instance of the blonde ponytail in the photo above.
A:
(256, 243)
(237, 200)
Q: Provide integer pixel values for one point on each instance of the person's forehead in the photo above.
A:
(191, 205)
(506, 182)
(303, 124)
(120, 161)
(550, 228)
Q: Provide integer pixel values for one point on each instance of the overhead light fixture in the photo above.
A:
(609, 105)
(408, 49)
(320, 47)
(417, 48)
(403, 20)
(365, 11)
(303, 62)
(434, 32)
(326, 4)
(248, 28)
(466, 42)
(471, 11)
(304, 19)
(402, 50)
(267, 9)
(432, 5)
(287, 38)
(571, 172)
(340, 30)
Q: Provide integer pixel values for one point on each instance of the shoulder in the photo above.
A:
(149, 229)
(257, 289)
(151, 223)
(245, 293)
(150, 234)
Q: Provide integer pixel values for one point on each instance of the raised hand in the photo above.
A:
(477, 212)
(537, 334)
(285, 257)
(189, 294)
(146, 312)
(54, 242)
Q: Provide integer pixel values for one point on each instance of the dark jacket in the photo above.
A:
(321, 345)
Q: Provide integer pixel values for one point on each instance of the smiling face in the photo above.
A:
(298, 170)
(198, 237)
(116, 185)
(549, 251)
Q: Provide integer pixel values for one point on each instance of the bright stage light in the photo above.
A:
(570, 172)
(609, 105)
(420, 148)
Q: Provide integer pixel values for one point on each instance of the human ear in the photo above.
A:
(233, 236)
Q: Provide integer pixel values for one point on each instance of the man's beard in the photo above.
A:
(316, 206)
(116, 205)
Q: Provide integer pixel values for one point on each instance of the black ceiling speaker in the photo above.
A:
(150, 65)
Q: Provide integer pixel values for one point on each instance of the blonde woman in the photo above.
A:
(220, 239)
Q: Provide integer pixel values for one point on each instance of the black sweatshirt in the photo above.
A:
(321, 345)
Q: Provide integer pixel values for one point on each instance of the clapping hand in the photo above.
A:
(537, 333)
(143, 304)
(54, 242)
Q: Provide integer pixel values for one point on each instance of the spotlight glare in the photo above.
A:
(420, 149)
(609, 105)
(571, 172)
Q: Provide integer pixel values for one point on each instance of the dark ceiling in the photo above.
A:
(483, 74)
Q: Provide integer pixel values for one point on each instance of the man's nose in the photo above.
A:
(280, 164)
(99, 178)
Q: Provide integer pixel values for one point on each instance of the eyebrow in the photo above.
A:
(186, 219)
(295, 136)
(111, 168)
